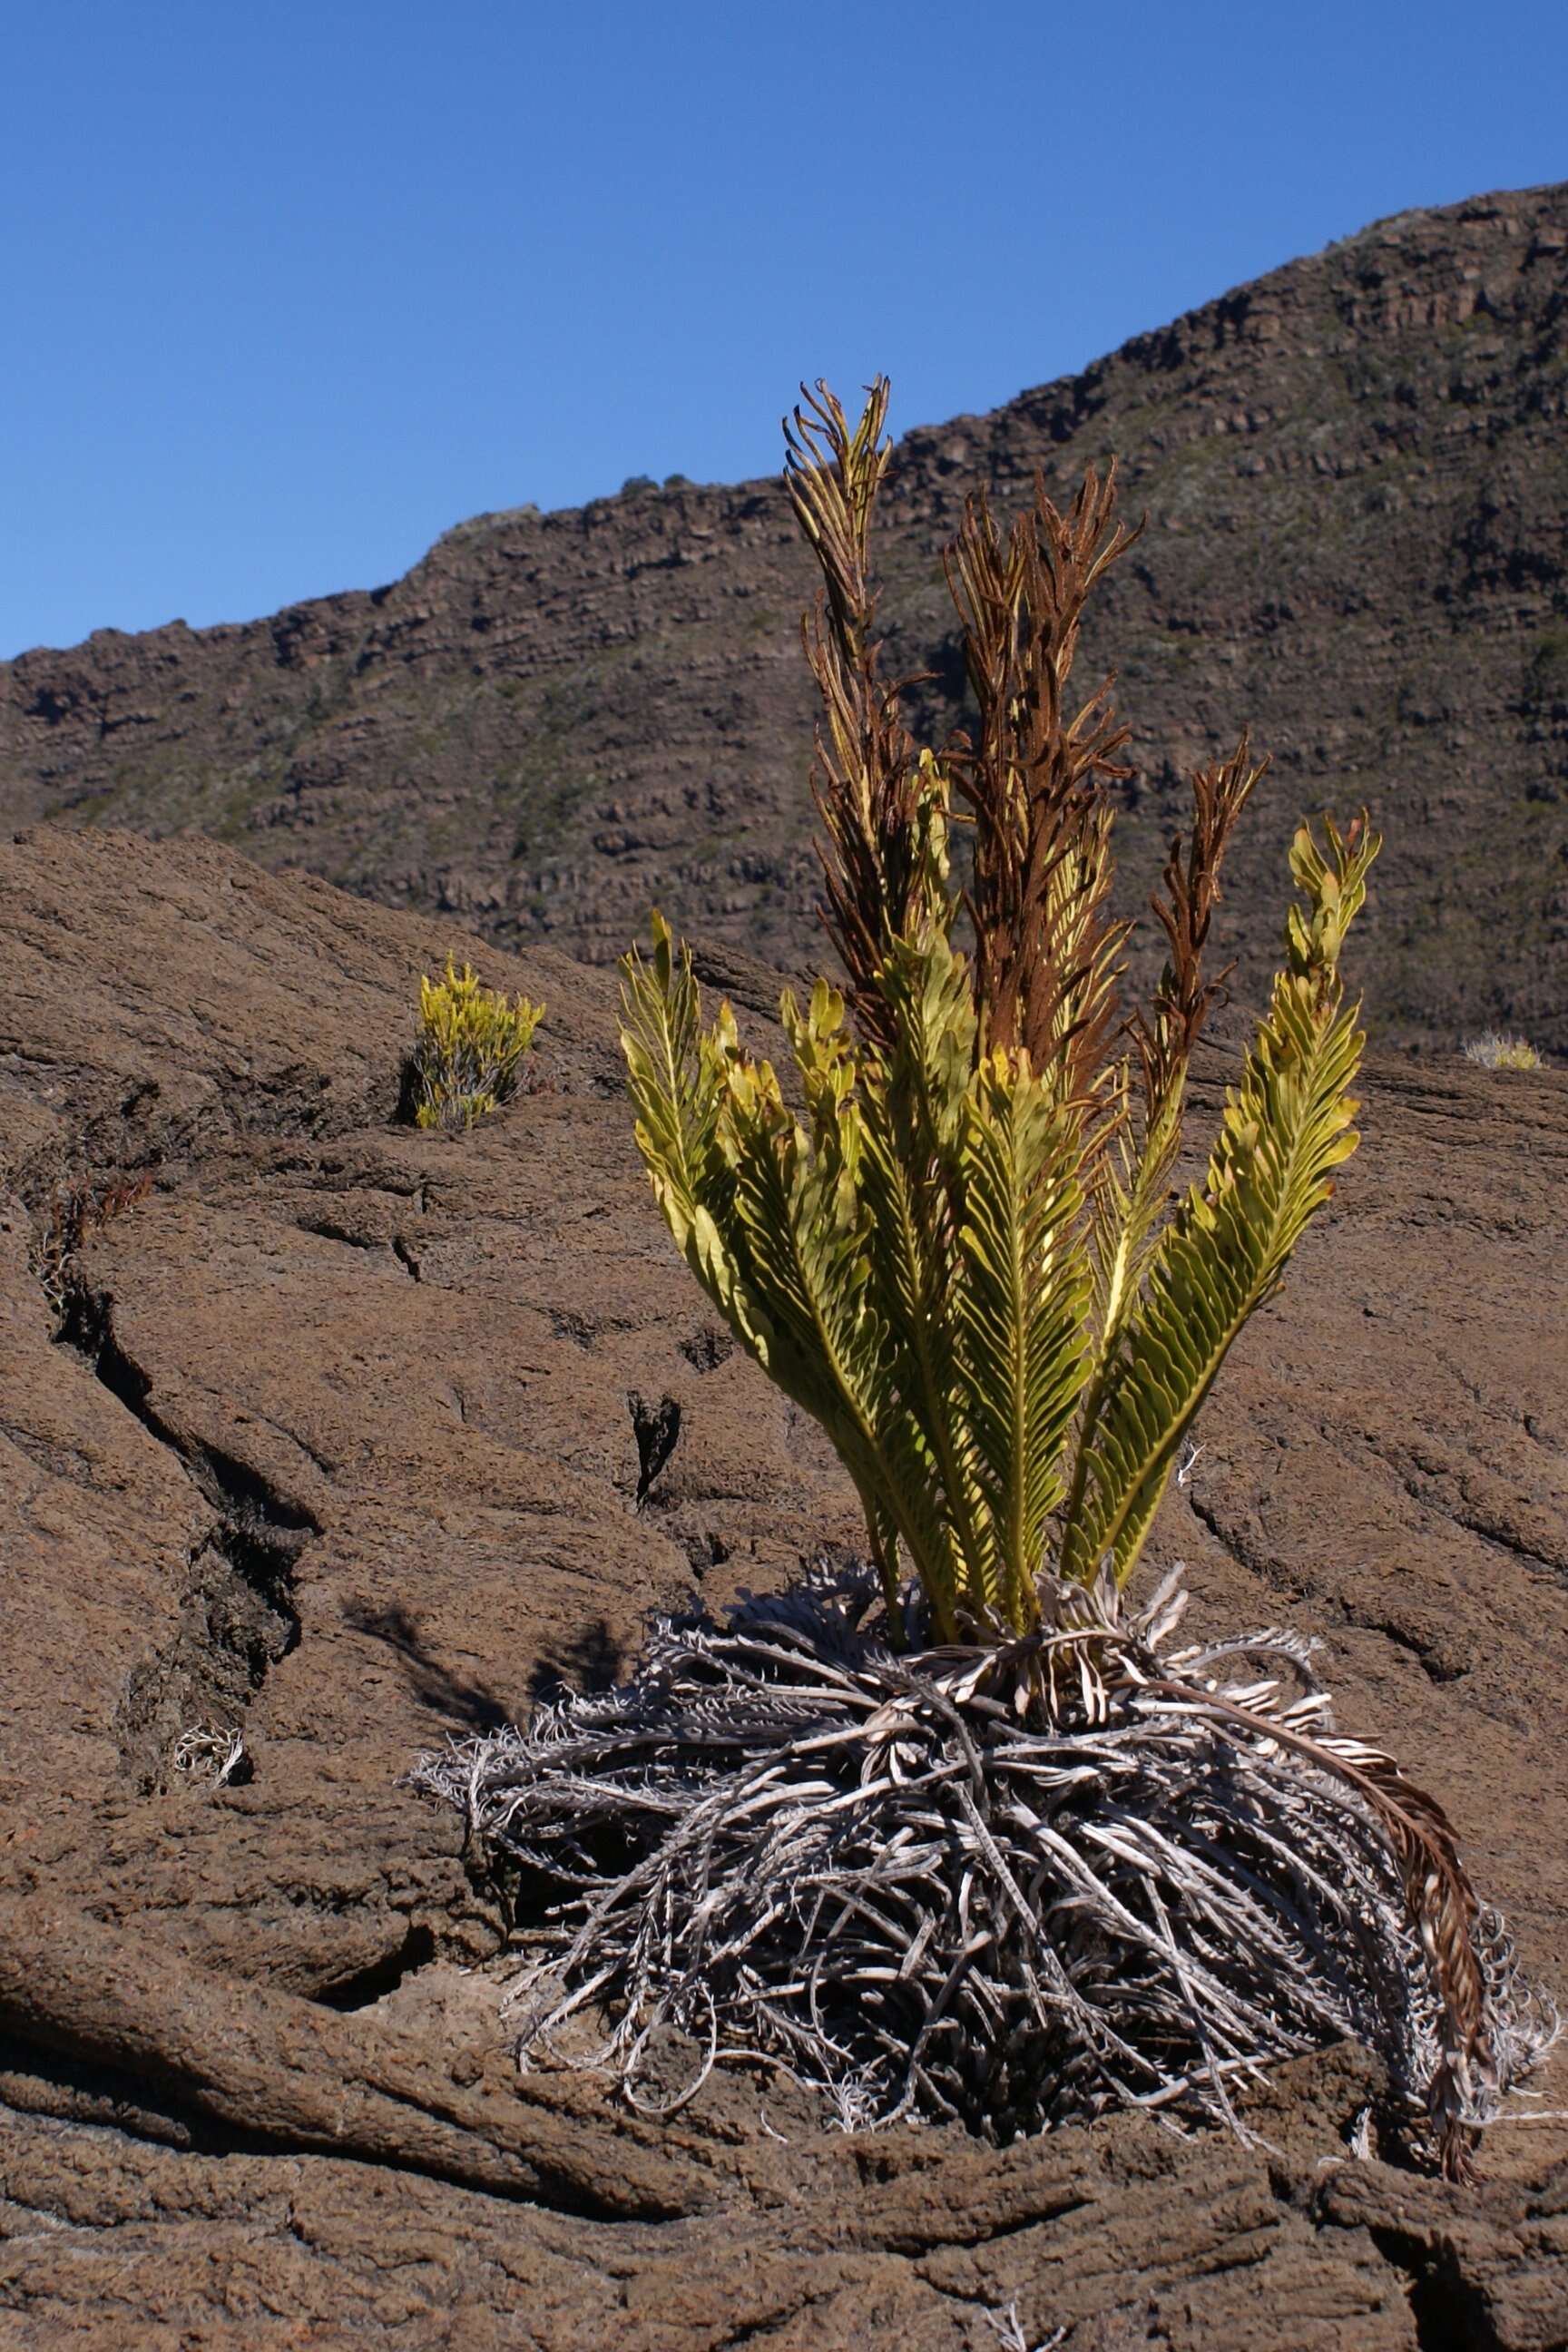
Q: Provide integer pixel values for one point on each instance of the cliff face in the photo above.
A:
(1356, 474)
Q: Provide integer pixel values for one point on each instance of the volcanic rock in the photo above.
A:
(340, 1437)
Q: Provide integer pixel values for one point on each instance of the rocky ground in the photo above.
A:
(334, 1433)
(1355, 473)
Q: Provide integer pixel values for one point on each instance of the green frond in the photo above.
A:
(1132, 1193)
(660, 1034)
(1131, 1196)
(836, 1354)
(771, 1220)
(1021, 1299)
(933, 900)
(914, 1117)
(676, 1077)
(1286, 1128)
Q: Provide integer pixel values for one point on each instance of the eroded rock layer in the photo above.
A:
(1358, 501)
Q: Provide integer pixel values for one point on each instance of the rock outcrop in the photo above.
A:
(1358, 516)
(330, 1433)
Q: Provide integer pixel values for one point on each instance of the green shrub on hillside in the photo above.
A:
(469, 1050)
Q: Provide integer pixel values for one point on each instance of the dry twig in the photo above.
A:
(1012, 1888)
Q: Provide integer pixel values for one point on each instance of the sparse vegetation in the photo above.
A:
(77, 1208)
(959, 1832)
(480, 526)
(469, 1054)
(1493, 1051)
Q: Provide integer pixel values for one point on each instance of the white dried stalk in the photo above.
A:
(1009, 2330)
(1011, 1887)
(208, 1751)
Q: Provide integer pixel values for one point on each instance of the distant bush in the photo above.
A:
(638, 482)
(477, 526)
(1493, 1051)
(469, 1050)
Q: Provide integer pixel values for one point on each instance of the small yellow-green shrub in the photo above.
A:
(1495, 1052)
(470, 1049)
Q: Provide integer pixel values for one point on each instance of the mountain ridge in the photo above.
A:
(1358, 506)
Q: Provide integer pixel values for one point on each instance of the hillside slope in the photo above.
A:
(1356, 471)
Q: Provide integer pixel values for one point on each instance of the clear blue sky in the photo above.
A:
(289, 289)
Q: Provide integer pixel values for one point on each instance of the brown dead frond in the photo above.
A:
(1440, 1904)
(1183, 906)
(1035, 779)
(79, 1206)
(867, 781)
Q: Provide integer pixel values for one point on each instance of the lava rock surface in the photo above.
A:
(343, 1439)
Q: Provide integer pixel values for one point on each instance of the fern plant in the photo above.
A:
(469, 1050)
(958, 1249)
(951, 1882)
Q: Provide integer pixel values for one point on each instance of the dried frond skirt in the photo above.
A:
(1012, 1887)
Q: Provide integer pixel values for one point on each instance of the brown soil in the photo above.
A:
(341, 1446)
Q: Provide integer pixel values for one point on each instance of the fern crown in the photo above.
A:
(956, 1244)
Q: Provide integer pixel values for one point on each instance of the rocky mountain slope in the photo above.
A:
(1356, 472)
(332, 1432)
